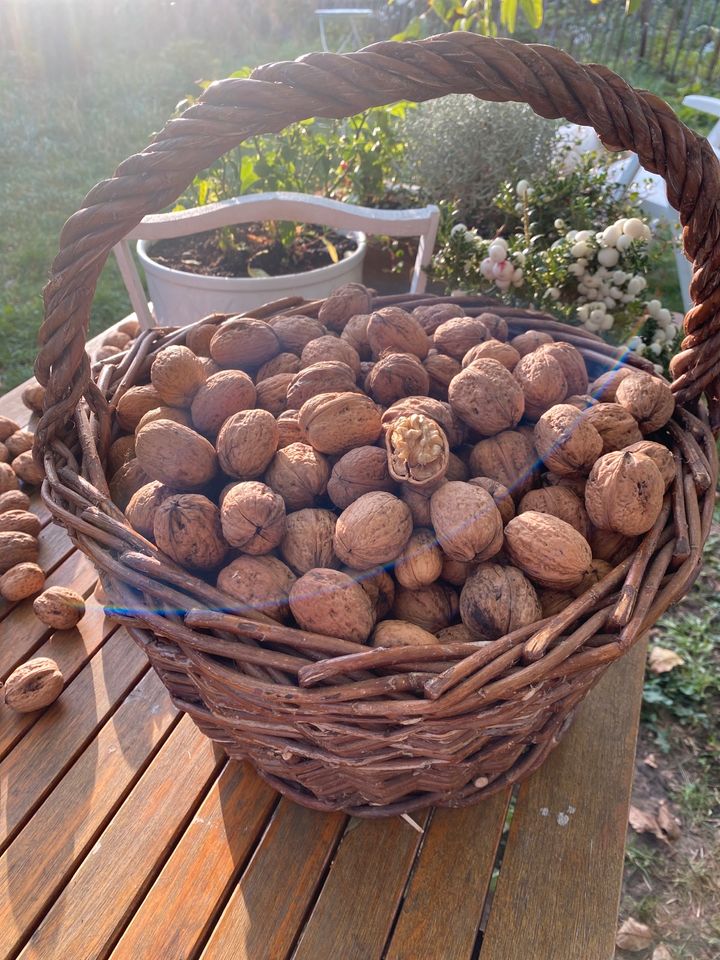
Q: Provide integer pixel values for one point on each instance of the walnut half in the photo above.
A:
(417, 449)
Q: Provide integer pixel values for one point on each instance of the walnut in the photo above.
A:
(327, 376)
(373, 530)
(34, 685)
(177, 374)
(120, 453)
(497, 600)
(8, 478)
(605, 386)
(417, 450)
(198, 337)
(581, 401)
(458, 633)
(281, 363)
(127, 481)
(504, 353)
(330, 348)
(648, 399)
(7, 428)
(542, 381)
(599, 569)
(14, 500)
(418, 501)
(117, 339)
(362, 470)
(457, 469)
(19, 442)
(455, 572)
(308, 540)
(143, 506)
(4, 455)
(33, 396)
(288, 428)
(130, 326)
(355, 334)
(432, 315)
(244, 342)
(299, 474)
(252, 517)
(21, 581)
(272, 393)
(337, 422)
(548, 550)
(615, 425)
(567, 442)
(28, 469)
(554, 601)
(456, 336)
(486, 397)
(332, 603)
(176, 414)
(392, 328)
(21, 520)
(261, 583)
(421, 561)
(432, 608)
(247, 442)
(209, 366)
(17, 547)
(59, 607)
(467, 523)
(441, 370)
(175, 455)
(610, 546)
(378, 585)
(396, 375)
(529, 341)
(501, 496)
(576, 484)
(294, 332)
(624, 493)
(187, 528)
(101, 354)
(572, 363)
(436, 410)
(344, 303)
(222, 395)
(508, 457)
(134, 404)
(400, 633)
(559, 502)
(495, 325)
(660, 456)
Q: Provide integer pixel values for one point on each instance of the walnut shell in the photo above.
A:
(21, 520)
(437, 410)
(8, 478)
(486, 397)
(529, 341)
(121, 452)
(308, 540)
(611, 546)
(392, 328)
(495, 325)
(143, 505)
(328, 376)
(209, 366)
(288, 428)
(359, 471)
(7, 428)
(417, 450)
(599, 569)
(441, 370)
(117, 339)
(504, 353)
(548, 550)
(175, 455)
(33, 396)
(330, 602)
(458, 633)
(177, 374)
(15, 500)
(4, 455)
(421, 561)
(457, 469)
(244, 343)
(343, 303)
(542, 381)
(648, 399)
(126, 482)
(355, 334)
(457, 335)
(400, 633)
(176, 414)
(431, 316)
(253, 517)
(103, 353)
(615, 424)
(187, 528)
(378, 585)
(337, 422)
(261, 583)
(605, 386)
(19, 442)
(502, 497)
(328, 348)
(467, 522)
(432, 608)
(508, 457)
(299, 474)
(567, 442)
(28, 469)
(497, 600)
(554, 601)
(660, 456)
(418, 501)
(624, 493)
(198, 337)
(219, 397)
(572, 363)
(373, 530)
(282, 363)
(247, 442)
(581, 401)
(396, 375)
(59, 607)
(21, 581)
(272, 393)
(134, 404)
(295, 331)
(456, 572)
(576, 484)
(34, 685)
(559, 502)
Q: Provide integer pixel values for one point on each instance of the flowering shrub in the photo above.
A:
(582, 267)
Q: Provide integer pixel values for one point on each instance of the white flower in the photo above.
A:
(571, 235)
(608, 256)
(583, 311)
(636, 345)
(592, 325)
(607, 322)
(609, 302)
(597, 316)
(502, 285)
(502, 270)
(523, 189)
(659, 335)
(497, 251)
(583, 262)
(619, 277)
(458, 228)
(553, 293)
(636, 284)
(519, 259)
(576, 269)
(663, 315)
(615, 293)
(559, 224)
(623, 243)
(653, 306)
(610, 235)
(620, 223)
(635, 229)
(517, 275)
(580, 249)
(519, 208)
(486, 268)
(656, 348)
(584, 235)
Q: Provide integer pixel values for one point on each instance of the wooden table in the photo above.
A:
(124, 833)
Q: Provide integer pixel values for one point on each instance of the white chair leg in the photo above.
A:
(133, 284)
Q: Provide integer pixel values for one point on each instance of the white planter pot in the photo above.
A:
(180, 298)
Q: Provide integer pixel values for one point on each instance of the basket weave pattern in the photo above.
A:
(335, 724)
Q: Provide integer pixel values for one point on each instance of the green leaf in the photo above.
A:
(508, 14)
(632, 6)
(257, 272)
(533, 10)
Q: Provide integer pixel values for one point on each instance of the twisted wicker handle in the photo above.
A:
(333, 85)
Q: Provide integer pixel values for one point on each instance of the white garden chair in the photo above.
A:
(422, 222)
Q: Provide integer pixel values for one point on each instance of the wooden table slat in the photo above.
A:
(182, 905)
(45, 853)
(559, 887)
(443, 905)
(266, 909)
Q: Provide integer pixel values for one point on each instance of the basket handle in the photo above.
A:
(335, 85)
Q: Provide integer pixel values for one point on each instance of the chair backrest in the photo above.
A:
(421, 222)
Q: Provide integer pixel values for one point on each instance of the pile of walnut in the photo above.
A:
(390, 477)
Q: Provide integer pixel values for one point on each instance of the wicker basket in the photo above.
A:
(333, 724)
